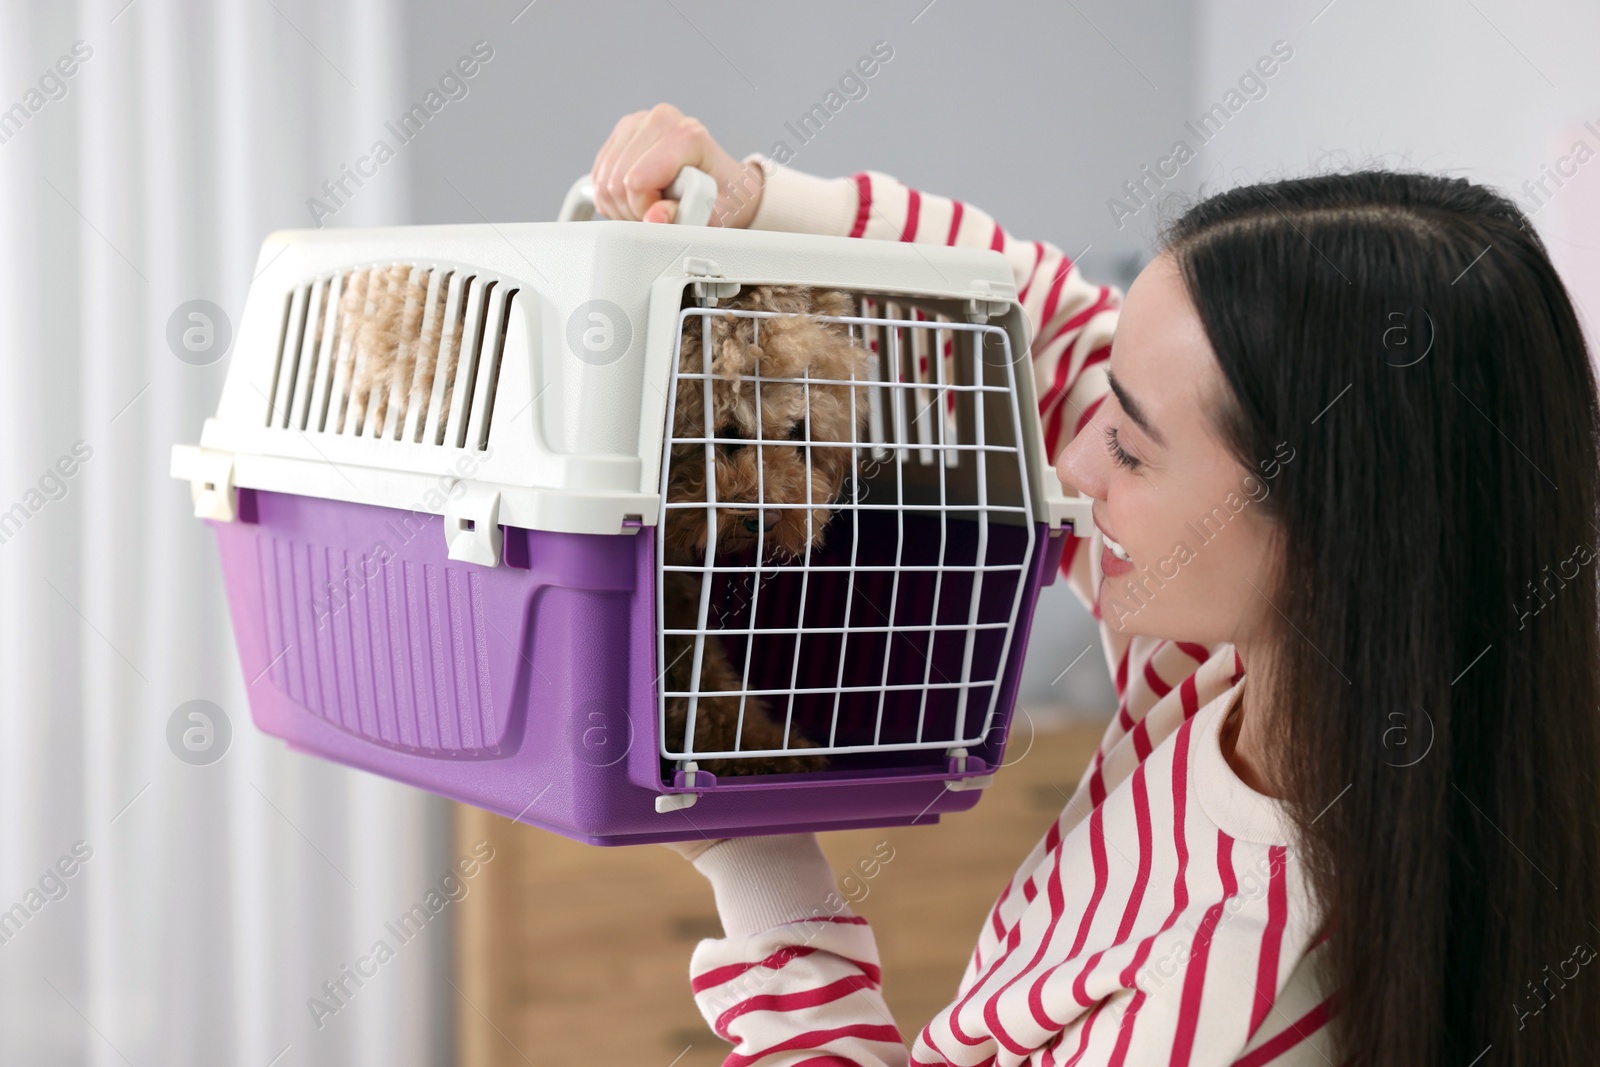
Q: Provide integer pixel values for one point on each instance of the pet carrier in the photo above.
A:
(443, 478)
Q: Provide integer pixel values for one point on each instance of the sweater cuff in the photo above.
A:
(763, 882)
(797, 202)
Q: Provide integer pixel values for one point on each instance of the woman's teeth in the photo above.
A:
(1117, 550)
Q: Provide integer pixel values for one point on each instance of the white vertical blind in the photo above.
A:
(216, 900)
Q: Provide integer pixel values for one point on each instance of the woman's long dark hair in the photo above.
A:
(1434, 699)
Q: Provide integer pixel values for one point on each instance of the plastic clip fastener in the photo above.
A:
(472, 524)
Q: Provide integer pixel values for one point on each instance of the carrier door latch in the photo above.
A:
(472, 523)
(708, 285)
(210, 474)
(1075, 513)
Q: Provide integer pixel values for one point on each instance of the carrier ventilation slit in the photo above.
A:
(401, 352)
(499, 340)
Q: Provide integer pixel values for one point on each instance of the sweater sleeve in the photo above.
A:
(796, 978)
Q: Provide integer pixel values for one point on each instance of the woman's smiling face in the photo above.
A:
(1165, 487)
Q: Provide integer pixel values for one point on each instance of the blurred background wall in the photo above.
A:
(218, 897)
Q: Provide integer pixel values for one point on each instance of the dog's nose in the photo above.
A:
(764, 518)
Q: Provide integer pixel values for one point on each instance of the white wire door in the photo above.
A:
(890, 631)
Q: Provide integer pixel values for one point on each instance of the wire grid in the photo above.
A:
(913, 362)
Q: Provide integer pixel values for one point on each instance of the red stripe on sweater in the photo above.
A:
(1038, 257)
(814, 1038)
(998, 242)
(1141, 817)
(717, 976)
(1083, 1036)
(1097, 787)
(1053, 298)
(1141, 739)
(1058, 907)
(1097, 849)
(1152, 678)
(1141, 808)
(1102, 302)
(1119, 1055)
(1194, 977)
(863, 203)
(955, 222)
(1272, 937)
(1013, 939)
(1051, 405)
(1069, 552)
(797, 1001)
(1296, 1032)
(1124, 717)
(913, 212)
(1180, 881)
(1189, 694)
(1000, 931)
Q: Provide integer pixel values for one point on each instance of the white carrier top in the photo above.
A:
(567, 340)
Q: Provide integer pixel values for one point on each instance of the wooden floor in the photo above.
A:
(568, 954)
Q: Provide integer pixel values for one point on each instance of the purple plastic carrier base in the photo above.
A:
(528, 689)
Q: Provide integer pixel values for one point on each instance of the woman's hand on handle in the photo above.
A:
(644, 154)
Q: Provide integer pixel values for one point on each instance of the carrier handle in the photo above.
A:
(693, 189)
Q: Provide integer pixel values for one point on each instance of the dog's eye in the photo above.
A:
(730, 447)
(797, 432)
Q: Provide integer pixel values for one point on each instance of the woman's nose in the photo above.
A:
(1080, 467)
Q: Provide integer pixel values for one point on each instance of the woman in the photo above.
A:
(1346, 445)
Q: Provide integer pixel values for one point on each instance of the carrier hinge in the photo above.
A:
(708, 287)
(994, 299)
(958, 760)
(666, 802)
(472, 523)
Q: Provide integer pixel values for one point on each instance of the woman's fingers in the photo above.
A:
(645, 152)
(611, 164)
(613, 187)
(670, 143)
(662, 211)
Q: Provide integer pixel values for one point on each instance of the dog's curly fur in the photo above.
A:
(788, 349)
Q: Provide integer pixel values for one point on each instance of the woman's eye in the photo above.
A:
(1122, 458)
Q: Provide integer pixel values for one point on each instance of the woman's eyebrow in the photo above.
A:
(1135, 412)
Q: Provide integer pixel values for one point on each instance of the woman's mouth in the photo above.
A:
(1114, 559)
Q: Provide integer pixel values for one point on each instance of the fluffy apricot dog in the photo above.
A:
(784, 351)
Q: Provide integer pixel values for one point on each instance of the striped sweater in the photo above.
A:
(1161, 919)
